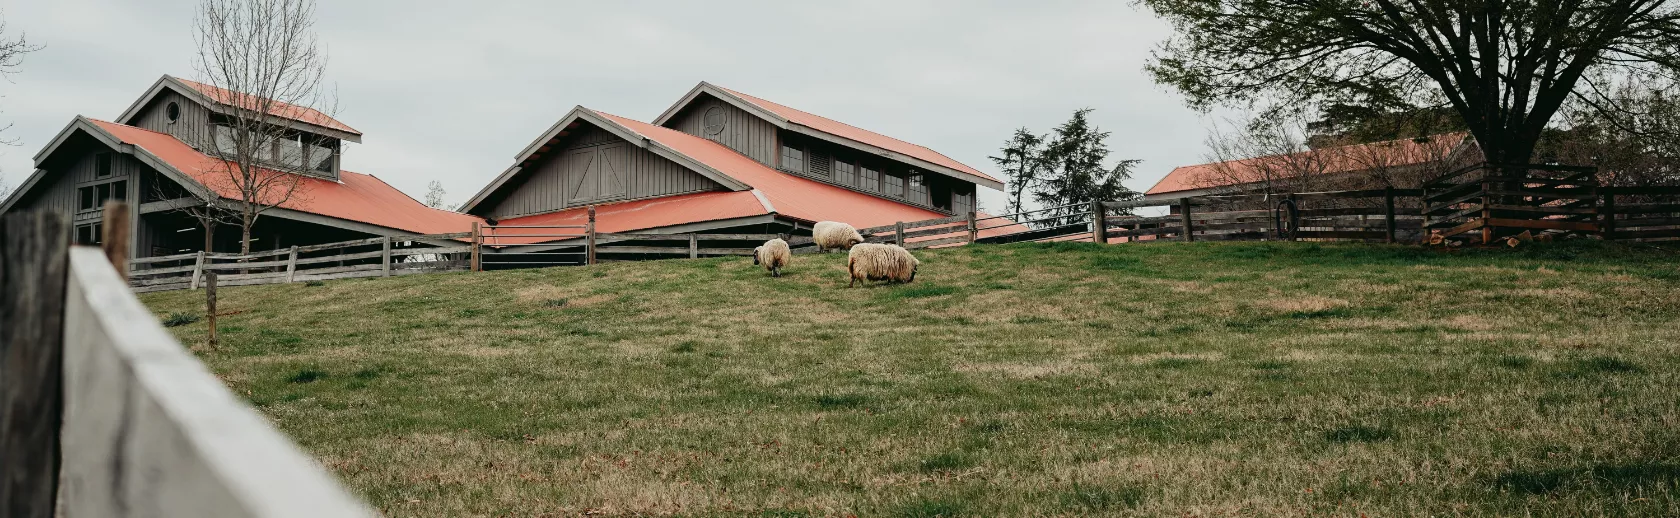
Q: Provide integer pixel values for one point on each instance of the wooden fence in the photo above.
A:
(105, 414)
(1363, 215)
(373, 257)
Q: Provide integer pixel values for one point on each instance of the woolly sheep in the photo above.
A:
(774, 255)
(873, 262)
(831, 235)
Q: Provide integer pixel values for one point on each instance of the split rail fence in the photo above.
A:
(104, 413)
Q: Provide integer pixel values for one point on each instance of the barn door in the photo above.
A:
(599, 173)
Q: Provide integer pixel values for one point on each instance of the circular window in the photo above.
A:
(714, 120)
(173, 111)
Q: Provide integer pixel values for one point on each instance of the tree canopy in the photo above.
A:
(1063, 171)
(1506, 67)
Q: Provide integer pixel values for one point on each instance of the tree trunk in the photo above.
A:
(209, 235)
(245, 233)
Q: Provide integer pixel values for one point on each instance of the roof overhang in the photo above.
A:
(782, 122)
(84, 125)
(168, 82)
(578, 115)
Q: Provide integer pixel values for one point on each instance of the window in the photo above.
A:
(918, 189)
(88, 235)
(85, 195)
(870, 181)
(894, 186)
(793, 159)
(291, 151)
(962, 203)
(173, 111)
(102, 165)
(93, 197)
(820, 164)
(225, 143)
(845, 174)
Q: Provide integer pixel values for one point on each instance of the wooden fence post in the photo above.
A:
(34, 270)
(589, 238)
(210, 306)
(898, 233)
(114, 225)
(385, 259)
(291, 264)
(973, 227)
(1487, 214)
(477, 238)
(693, 246)
(1099, 222)
(1607, 216)
(198, 270)
(1388, 212)
(1188, 231)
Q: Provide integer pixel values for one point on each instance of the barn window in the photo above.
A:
(84, 196)
(894, 186)
(821, 164)
(291, 151)
(173, 111)
(93, 197)
(102, 165)
(88, 235)
(320, 155)
(713, 120)
(793, 159)
(870, 180)
(845, 174)
(918, 188)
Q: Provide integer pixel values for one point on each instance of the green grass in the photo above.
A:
(1064, 379)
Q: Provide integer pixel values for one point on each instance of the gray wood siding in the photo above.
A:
(742, 131)
(193, 127)
(594, 166)
(57, 189)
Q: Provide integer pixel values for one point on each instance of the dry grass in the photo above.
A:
(1022, 380)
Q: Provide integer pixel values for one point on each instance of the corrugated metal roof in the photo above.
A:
(841, 129)
(356, 197)
(276, 108)
(1340, 159)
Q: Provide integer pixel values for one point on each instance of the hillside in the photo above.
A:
(1015, 380)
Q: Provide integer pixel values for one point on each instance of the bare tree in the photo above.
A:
(11, 60)
(262, 60)
(435, 195)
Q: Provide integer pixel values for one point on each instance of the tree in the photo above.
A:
(263, 58)
(12, 52)
(435, 194)
(1506, 67)
(1636, 147)
(1073, 173)
(1021, 165)
(1280, 153)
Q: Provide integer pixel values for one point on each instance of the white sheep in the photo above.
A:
(834, 235)
(874, 262)
(774, 255)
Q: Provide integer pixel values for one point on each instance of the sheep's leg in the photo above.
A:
(775, 272)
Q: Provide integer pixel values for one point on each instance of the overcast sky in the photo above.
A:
(450, 91)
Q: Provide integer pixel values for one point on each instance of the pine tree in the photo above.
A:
(1021, 166)
(1073, 173)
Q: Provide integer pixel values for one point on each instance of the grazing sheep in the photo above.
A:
(774, 255)
(832, 235)
(873, 262)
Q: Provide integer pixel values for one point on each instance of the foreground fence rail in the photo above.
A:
(97, 394)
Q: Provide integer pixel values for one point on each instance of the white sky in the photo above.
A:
(451, 92)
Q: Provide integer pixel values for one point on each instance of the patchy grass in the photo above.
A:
(1063, 379)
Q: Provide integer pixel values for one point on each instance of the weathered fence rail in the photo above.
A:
(100, 397)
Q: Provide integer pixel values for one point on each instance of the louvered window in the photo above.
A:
(821, 165)
(845, 174)
(870, 180)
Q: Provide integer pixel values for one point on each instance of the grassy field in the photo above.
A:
(1254, 379)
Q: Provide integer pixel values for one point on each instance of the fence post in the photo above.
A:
(385, 259)
(291, 264)
(198, 270)
(1607, 215)
(1388, 212)
(973, 227)
(1099, 222)
(210, 306)
(1188, 230)
(114, 227)
(34, 272)
(589, 238)
(1487, 214)
(477, 237)
(898, 233)
(693, 245)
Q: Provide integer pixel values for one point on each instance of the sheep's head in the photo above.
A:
(756, 250)
(913, 267)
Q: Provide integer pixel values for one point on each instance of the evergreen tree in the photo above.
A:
(1021, 166)
(1073, 173)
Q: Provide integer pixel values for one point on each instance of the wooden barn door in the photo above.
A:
(598, 173)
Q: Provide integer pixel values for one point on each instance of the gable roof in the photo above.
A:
(219, 98)
(835, 131)
(1330, 160)
(356, 197)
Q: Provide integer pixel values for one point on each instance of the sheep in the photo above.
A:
(834, 235)
(873, 262)
(774, 255)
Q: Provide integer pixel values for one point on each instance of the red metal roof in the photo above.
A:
(356, 197)
(1340, 159)
(841, 129)
(277, 108)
